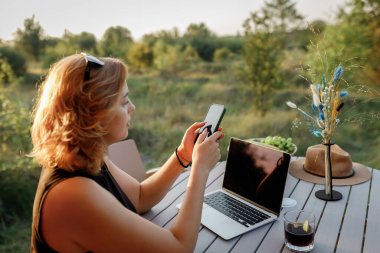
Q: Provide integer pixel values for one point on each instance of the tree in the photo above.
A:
(265, 32)
(201, 39)
(168, 36)
(30, 39)
(81, 42)
(55, 49)
(6, 73)
(198, 31)
(190, 55)
(261, 50)
(283, 14)
(12, 64)
(140, 56)
(70, 43)
(167, 58)
(355, 40)
(318, 25)
(222, 54)
(116, 42)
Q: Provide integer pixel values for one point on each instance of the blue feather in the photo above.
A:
(316, 133)
(343, 93)
(338, 73)
(314, 107)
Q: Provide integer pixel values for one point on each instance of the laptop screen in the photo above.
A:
(257, 173)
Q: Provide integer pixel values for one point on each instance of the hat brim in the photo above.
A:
(361, 174)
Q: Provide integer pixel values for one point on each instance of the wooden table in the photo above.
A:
(349, 225)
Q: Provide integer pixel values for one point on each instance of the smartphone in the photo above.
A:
(213, 118)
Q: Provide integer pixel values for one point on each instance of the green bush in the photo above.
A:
(18, 173)
(18, 187)
(6, 72)
(14, 128)
(12, 64)
(222, 54)
(140, 56)
(16, 238)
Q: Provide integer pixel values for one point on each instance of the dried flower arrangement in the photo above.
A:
(327, 103)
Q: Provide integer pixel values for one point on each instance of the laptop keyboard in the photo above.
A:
(235, 209)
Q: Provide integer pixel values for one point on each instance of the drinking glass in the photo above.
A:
(299, 228)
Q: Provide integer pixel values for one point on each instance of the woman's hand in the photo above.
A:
(206, 152)
(185, 150)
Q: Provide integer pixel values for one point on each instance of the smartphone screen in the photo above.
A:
(213, 118)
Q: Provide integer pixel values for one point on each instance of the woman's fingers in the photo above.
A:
(202, 137)
(195, 127)
(216, 136)
(220, 138)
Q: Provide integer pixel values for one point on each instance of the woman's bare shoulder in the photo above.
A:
(70, 192)
(79, 214)
(73, 208)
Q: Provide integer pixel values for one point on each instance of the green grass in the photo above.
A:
(167, 106)
(16, 237)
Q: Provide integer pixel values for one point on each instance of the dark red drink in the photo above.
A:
(297, 236)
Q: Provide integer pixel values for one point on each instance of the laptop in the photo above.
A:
(252, 192)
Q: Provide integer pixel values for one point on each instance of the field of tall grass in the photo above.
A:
(166, 106)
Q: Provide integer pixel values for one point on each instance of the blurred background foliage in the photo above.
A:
(175, 77)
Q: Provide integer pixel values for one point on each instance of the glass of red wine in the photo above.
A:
(299, 228)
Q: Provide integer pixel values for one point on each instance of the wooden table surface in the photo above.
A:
(349, 225)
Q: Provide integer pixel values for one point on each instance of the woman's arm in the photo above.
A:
(205, 156)
(148, 193)
(78, 215)
(153, 189)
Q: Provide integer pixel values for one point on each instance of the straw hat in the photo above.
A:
(344, 171)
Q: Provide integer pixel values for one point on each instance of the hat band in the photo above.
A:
(315, 174)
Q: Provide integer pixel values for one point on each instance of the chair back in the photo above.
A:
(127, 157)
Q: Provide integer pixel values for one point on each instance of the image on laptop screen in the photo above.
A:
(257, 173)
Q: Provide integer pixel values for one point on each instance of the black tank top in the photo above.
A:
(49, 179)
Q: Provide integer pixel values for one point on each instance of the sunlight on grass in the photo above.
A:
(166, 107)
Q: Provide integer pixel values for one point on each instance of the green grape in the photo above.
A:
(282, 143)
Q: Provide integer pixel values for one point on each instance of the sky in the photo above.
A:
(224, 17)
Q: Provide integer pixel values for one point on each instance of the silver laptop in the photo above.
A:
(252, 193)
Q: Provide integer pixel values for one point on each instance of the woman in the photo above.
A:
(84, 202)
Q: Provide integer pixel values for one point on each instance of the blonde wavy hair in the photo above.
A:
(70, 114)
